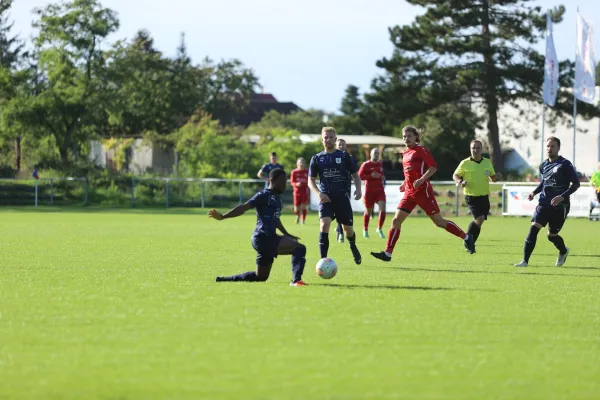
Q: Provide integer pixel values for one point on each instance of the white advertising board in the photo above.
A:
(518, 204)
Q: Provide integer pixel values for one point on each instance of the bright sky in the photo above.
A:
(305, 51)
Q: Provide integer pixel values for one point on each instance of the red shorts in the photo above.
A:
(370, 198)
(423, 198)
(301, 196)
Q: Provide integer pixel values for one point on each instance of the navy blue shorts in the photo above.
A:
(338, 207)
(266, 249)
(555, 217)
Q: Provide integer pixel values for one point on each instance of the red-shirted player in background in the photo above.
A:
(299, 181)
(418, 166)
(372, 173)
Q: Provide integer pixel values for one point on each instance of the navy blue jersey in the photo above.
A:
(268, 210)
(333, 170)
(267, 168)
(556, 179)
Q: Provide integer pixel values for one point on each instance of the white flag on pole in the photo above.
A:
(551, 66)
(585, 62)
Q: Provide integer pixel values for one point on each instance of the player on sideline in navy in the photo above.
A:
(265, 240)
(332, 166)
(559, 181)
(265, 170)
(341, 145)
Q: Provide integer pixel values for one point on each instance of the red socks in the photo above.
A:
(392, 238)
(455, 230)
(381, 219)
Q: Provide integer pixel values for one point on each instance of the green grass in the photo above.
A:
(122, 305)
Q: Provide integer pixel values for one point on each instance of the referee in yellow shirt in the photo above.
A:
(474, 175)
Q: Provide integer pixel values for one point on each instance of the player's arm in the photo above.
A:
(575, 184)
(234, 212)
(284, 231)
(358, 185)
(493, 175)
(362, 173)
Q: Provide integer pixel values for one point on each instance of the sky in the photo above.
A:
(305, 51)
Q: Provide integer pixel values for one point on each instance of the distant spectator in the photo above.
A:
(265, 170)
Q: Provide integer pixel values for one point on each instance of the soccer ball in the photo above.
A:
(326, 268)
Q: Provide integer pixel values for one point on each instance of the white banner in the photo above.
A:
(585, 62)
(392, 194)
(551, 67)
(518, 204)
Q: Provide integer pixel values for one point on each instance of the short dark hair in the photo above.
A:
(477, 141)
(555, 139)
(273, 154)
(276, 173)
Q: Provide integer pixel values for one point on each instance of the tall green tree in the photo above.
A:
(66, 99)
(12, 78)
(466, 51)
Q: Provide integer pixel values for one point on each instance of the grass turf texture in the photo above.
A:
(120, 305)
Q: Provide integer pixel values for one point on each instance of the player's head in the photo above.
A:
(301, 163)
(328, 138)
(375, 154)
(341, 144)
(411, 136)
(273, 158)
(552, 147)
(278, 180)
(476, 149)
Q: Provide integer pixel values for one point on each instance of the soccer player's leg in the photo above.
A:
(407, 204)
(539, 219)
(297, 205)
(266, 251)
(428, 203)
(557, 220)
(287, 245)
(480, 208)
(380, 200)
(343, 213)
(369, 204)
(326, 215)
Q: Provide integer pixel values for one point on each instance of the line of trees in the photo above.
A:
(69, 86)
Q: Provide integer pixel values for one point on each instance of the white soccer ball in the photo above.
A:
(326, 268)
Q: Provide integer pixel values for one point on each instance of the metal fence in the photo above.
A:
(193, 192)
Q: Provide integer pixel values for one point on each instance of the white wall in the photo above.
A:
(526, 123)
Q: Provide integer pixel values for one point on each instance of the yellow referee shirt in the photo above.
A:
(477, 175)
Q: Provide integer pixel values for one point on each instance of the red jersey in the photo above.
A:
(365, 171)
(299, 176)
(415, 162)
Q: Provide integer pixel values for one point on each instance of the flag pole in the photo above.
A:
(543, 129)
(574, 95)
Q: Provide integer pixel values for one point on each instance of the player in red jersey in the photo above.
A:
(418, 166)
(371, 172)
(299, 181)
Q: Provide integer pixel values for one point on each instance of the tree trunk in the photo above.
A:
(491, 100)
(18, 154)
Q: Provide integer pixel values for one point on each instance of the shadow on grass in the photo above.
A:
(107, 209)
(396, 287)
(517, 271)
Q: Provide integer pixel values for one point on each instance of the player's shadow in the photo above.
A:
(393, 287)
(517, 272)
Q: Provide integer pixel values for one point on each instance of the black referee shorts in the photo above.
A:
(478, 205)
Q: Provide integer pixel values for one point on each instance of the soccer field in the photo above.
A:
(123, 305)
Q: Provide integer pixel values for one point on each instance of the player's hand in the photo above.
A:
(215, 214)
(463, 184)
(418, 183)
(324, 198)
(557, 200)
(357, 195)
(531, 196)
(403, 186)
(375, 175)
